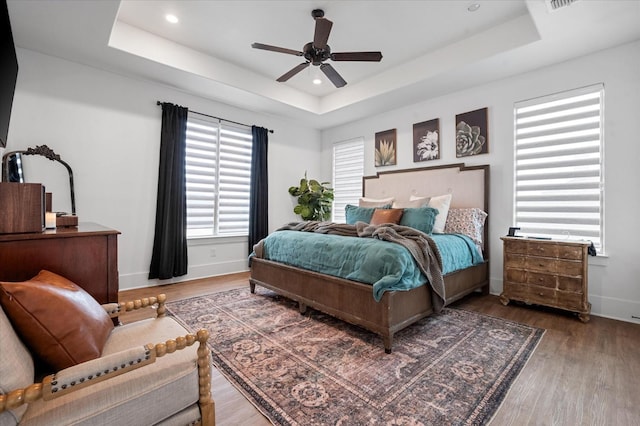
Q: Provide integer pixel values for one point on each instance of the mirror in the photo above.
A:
(42, 165)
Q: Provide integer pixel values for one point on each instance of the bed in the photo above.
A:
(353, 301)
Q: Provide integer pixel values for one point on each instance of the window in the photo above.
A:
(218, 173)
(559, 165)
(348, 169)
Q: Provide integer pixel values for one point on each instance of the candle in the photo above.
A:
(50, 220)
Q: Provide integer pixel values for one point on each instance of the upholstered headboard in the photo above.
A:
(469, 186)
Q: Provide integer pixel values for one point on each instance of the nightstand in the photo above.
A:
(547, 272)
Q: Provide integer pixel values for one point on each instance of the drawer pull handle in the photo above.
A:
(541, 294)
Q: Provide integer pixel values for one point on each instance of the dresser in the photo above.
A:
(86, 254)
(547, 272)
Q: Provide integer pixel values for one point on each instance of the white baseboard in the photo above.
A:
(140, 280)
(601, 306)
(614, 308)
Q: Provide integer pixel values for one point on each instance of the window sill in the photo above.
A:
(218, 239)
(599, 260)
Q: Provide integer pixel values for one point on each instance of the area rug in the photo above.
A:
(452, 368)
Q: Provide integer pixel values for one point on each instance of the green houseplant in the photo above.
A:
(314, 199)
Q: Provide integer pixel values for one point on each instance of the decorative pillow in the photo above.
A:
(56, 319)
(440, 203)
(421, 218)
(469, 222)
(381, 216)
(372, 202)
(355, 214)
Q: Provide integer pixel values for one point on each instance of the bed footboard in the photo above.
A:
(349, 301)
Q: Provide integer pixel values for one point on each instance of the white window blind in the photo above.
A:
(218, 173)
(559, 166)
(348, 169)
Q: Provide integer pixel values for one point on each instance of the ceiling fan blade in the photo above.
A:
(332, 75)
(276, 49)
(321, 35)
(357, 56)
(286, 76)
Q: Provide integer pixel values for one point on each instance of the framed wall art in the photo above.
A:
(385, 144)
(471, 133)
(426, 140)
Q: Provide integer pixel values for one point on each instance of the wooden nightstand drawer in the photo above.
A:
(525, 277)
(515, 275)
(543, 249)
(571, 301)
(553, 266)
(570, 284)
(530, 294)
(542, 280)
(546, 272)
(545, 296)
(515, 246)
(514, 260)
(543, 264)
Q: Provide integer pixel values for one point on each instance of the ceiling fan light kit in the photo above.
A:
(318, 51)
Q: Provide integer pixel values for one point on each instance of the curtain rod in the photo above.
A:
(217, 118)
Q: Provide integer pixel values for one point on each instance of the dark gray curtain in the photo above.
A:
(169, 256)
(258, 198)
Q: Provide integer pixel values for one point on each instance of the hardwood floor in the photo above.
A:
(580, 374)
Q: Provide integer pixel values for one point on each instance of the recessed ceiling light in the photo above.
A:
(171, 18)
(317, 81)
(473, 7)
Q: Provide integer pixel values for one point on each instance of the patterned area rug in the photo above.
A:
(453, 368)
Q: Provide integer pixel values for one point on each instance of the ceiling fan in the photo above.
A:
(318, 51)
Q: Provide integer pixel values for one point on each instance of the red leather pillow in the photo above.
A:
(59, 321)
(381, 216)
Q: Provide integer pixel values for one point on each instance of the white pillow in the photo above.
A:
(372, 202)
(410, 204)
(416, 199)
(442, 203)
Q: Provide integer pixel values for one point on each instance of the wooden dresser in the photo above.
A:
(86, 254)
(547, 272)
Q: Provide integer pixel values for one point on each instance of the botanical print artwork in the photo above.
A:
(471, 133)
(426, 140)
(385, 143)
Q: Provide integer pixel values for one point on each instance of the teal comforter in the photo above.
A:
(385, 265)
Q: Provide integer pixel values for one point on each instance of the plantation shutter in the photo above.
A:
(218, 171)
(348, 169)
(235, 179)
(201, 177)
(558, 165)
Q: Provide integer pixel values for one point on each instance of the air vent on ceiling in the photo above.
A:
(558, 4)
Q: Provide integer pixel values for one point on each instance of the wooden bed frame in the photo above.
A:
(352, 301)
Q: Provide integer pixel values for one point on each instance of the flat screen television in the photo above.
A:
(8, 72)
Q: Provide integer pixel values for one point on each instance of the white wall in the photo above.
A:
(614, 280)
(107, 127)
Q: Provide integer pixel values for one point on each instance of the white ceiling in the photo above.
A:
(429, 47)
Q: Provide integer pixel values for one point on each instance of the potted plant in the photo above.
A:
(314, 199)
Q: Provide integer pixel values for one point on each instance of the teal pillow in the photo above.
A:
(355, 214)
(421, 218)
